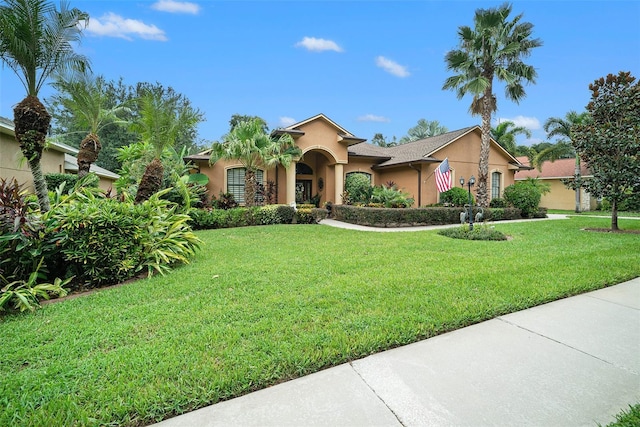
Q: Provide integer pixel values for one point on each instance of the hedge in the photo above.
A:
(202, 219)
(381, 217)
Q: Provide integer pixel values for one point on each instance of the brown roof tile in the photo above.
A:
(562, 168)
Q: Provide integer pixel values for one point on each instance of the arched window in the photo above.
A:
(496, 178)
(235, 182)
(303, 169)
(368, 175)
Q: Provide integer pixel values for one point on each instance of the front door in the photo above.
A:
(303, 191)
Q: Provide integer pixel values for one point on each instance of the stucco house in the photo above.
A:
(331, 153)
(552, 173)
(56, 158)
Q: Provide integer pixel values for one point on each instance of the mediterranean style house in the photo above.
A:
(56, 158)
(331, 153)
(560, 197)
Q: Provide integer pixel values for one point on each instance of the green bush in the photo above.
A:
(479, 232)
(358, 188)
(204, 219)
(382, 217)
(55, 180)
(456, 196)
(498, 203)
(524, 196)
(390, 197)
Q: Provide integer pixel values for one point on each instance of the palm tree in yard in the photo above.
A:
(556, 126)
(249, 144)
(424, 129)
(505, 135)
(85, 97)
(162, 119)
(36, 41)
(494, 48)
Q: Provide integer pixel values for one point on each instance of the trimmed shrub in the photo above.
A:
(498, 203)
(523, 196)
(55, 180)
(204, 219)
(481, 232)
(456, 196)
(382, 217)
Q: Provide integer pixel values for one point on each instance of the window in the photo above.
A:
(303, 169)
(495, 184)
(368, 175)
(235, 182)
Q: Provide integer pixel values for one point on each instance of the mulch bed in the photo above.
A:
(608, 230)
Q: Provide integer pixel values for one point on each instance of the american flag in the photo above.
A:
(443, 176)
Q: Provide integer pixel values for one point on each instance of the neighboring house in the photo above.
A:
(331, 153)
(560, 197)
(56, 158)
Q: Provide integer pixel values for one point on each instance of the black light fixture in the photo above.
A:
(470, 184)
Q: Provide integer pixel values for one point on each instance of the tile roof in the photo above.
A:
(415, 151)
(562, 168)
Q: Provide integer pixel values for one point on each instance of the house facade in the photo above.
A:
(56, 158)
(560, 197)
(331, 153)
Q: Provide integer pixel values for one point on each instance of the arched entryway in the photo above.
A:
(317, 177)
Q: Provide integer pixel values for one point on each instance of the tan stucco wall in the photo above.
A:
(11, 165)
(561, 197)
(321, 135)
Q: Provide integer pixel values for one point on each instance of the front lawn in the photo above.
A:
(261, 305)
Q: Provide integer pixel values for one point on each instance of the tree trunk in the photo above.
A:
(88, 154)
(249, 188)
(32, 122)
(614, 215)
(151, 181)
(578, 185)
(483, 165)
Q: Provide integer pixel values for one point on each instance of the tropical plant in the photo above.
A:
(358, 188)
(162, 120)
(85, 98)
(610, 142)
(250, 145)
(505, 135)
(424, 129)
(494, 48)
(391, 197)
(36, 40)
(381, 141)
(26, 294)
(555, 126)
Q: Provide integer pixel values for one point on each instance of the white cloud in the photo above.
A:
(530, 123)
(373, 118)
(392, 67)
(172, 6)
(286, 121)
(112, 25)
(318, 45)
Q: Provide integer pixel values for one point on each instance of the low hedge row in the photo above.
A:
(381, 217)
(203, 219)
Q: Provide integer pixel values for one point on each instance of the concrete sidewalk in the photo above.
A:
(573, 362)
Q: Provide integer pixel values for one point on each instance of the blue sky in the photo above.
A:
(371, 66)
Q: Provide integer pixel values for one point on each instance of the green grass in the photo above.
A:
(261, 305)
(628, 418)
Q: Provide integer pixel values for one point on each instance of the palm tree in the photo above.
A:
(506, 137)
(85, 98)
(493, 49)
(424, 129)
(162, 120)
(249, 144)
(36, 41)
(555, 126)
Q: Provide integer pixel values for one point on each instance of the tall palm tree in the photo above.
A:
(85, 97)
(494, 48)
(505, 134)
(424, 129)
(254, 148)
(35, 41)
(556, 126)
(162, 119)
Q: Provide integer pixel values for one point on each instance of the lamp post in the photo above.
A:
(470, 184)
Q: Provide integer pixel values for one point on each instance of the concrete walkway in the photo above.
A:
(572, 362)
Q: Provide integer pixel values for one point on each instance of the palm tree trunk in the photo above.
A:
(40, 185)
(483, 165)
(88, 153)
(249, 188)
(151, 181)
(32, 122)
